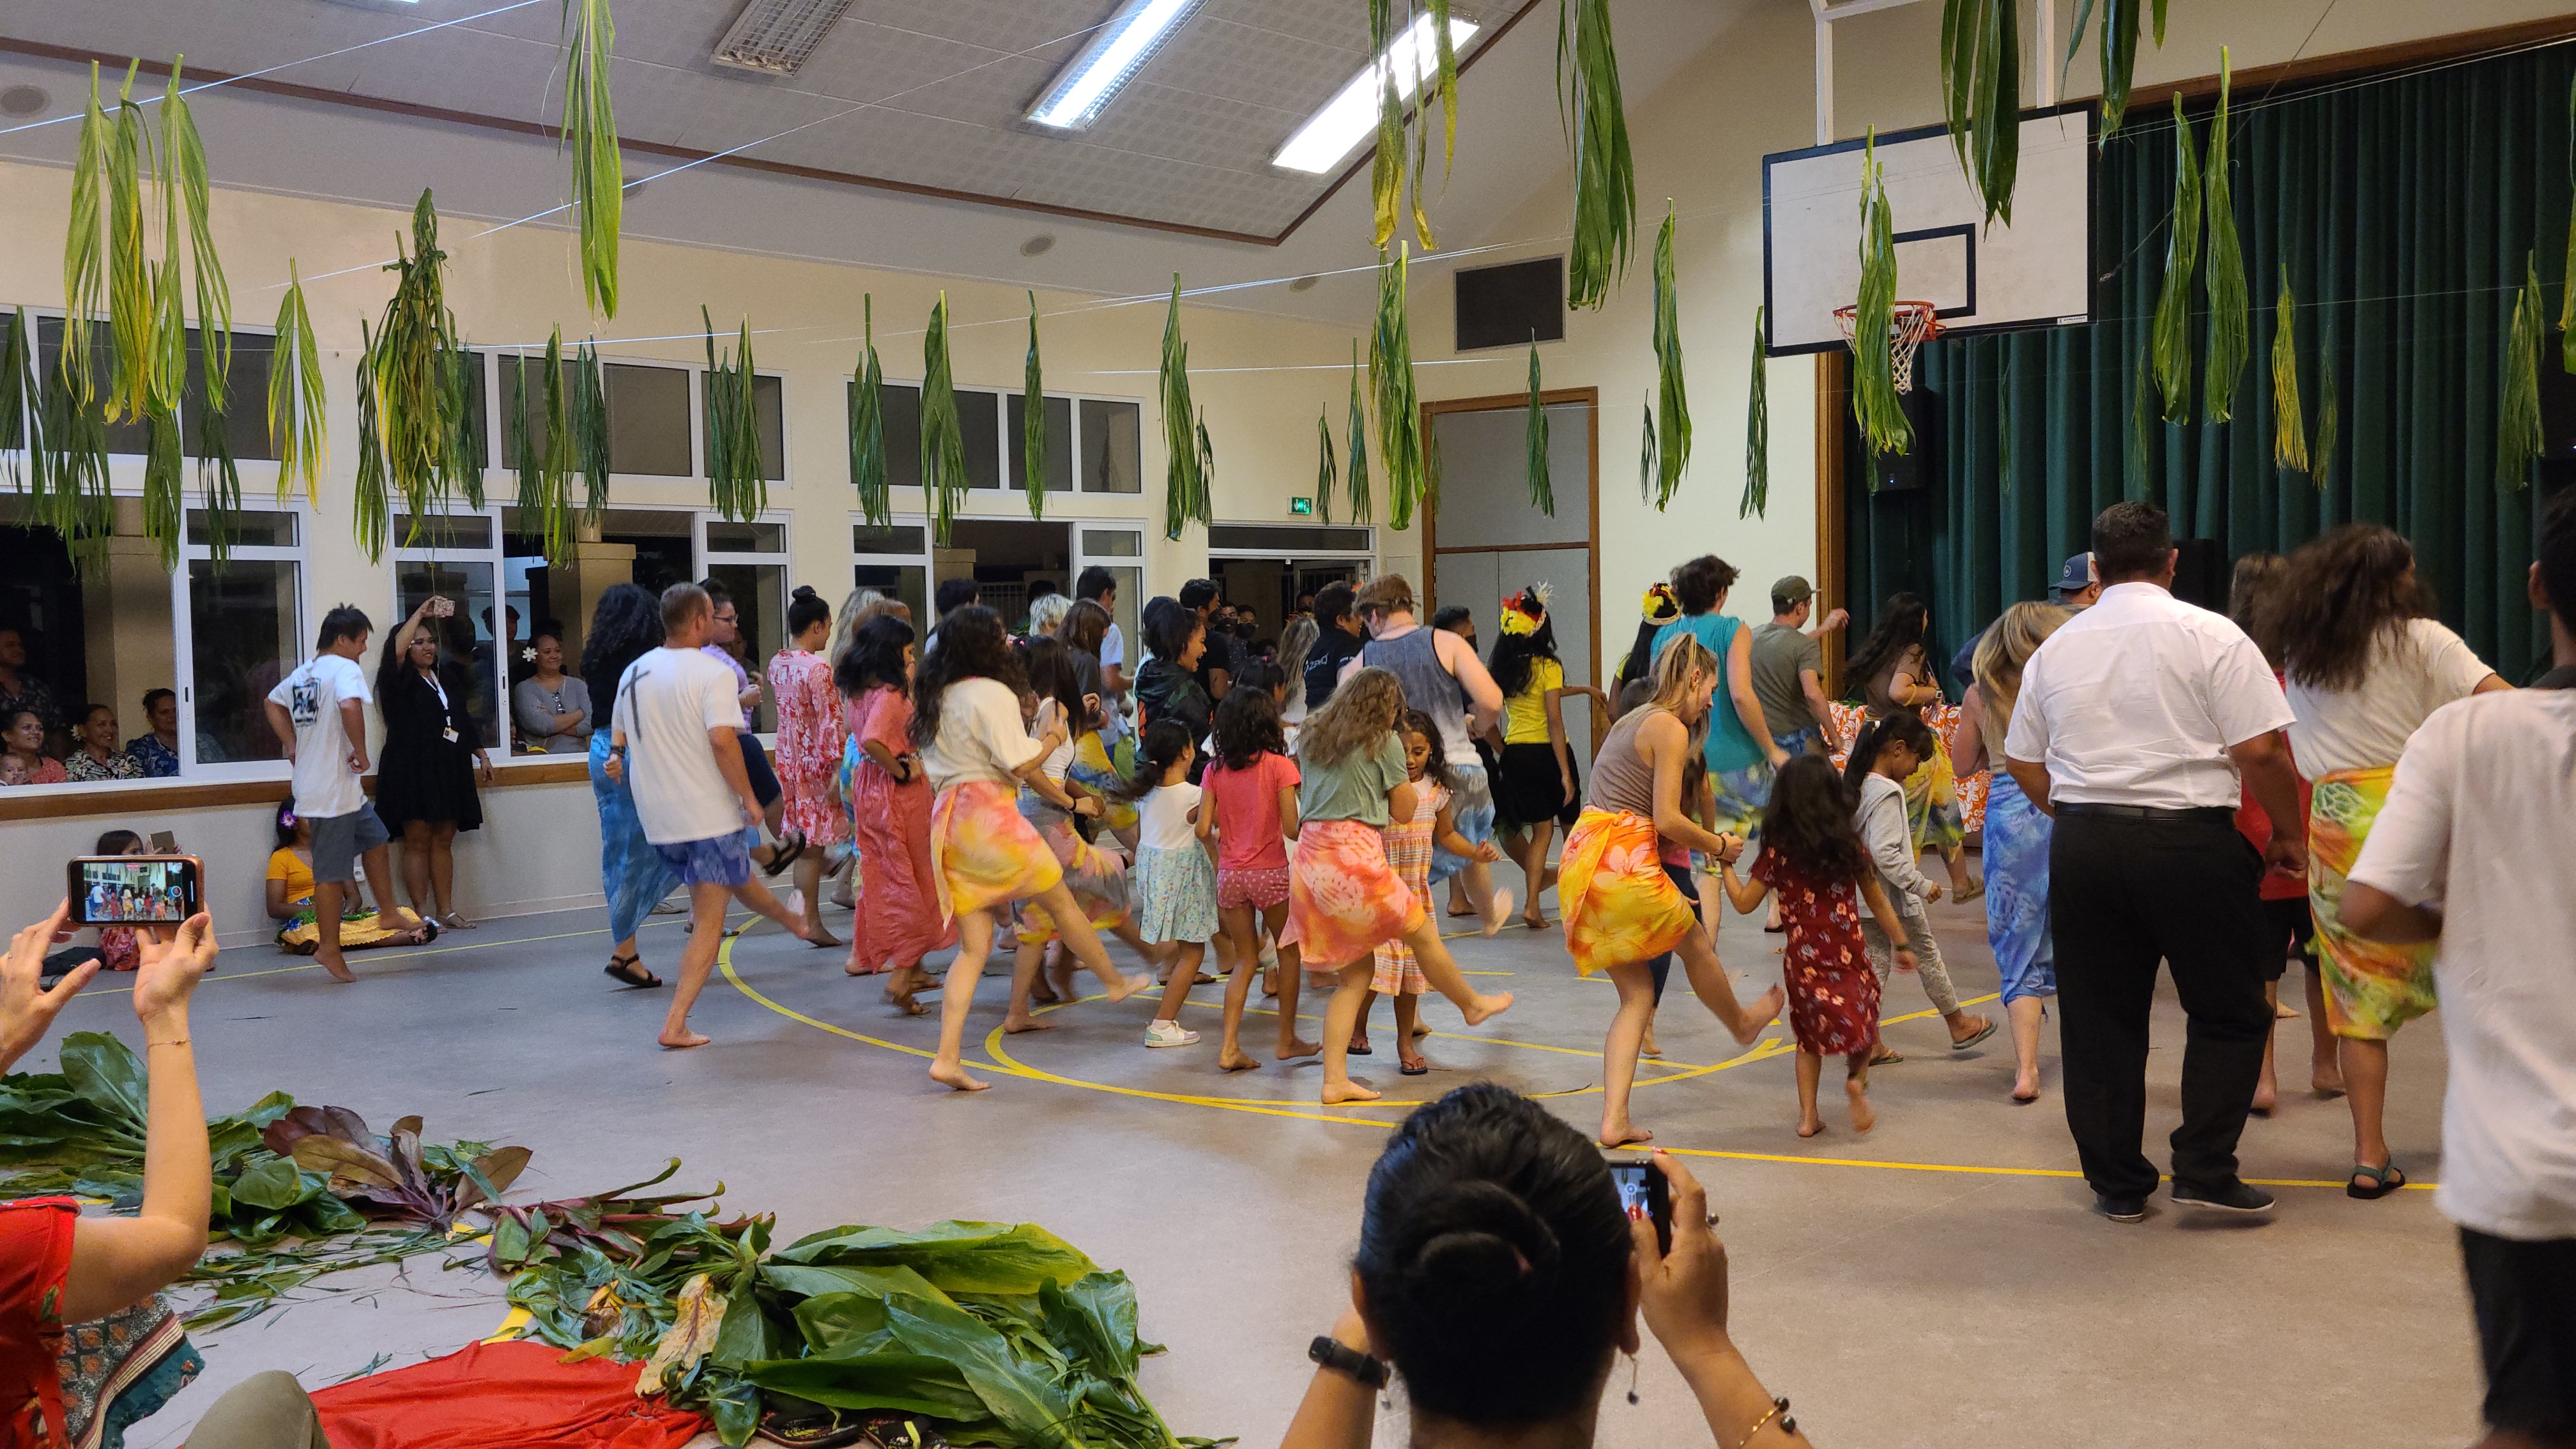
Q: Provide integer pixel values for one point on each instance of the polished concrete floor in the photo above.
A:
(1938, 1282)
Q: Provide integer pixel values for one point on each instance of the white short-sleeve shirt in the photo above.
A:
(667, 701)
(2481, 822)
(2136, 700)
(2409, 676)
(981, 735)
(325, 786)
(1163, 817)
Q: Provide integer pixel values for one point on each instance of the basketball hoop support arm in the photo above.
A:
(2043, 50)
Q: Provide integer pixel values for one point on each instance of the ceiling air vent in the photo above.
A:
(775, 37)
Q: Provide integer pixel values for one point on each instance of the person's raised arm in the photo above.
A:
(412, 626)
(1748, 705)
(2264, 762)
(1683, 1295)
(117, 1262)
(1484, 696)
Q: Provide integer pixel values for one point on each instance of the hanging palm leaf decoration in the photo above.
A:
(1981, 96)
(22, 406)
(2229, 344)
(551, 509)
(465, 448)
(590, 133)
(183, 158)
(2141, 418)
(1646, 458)
(218, 484)
(1673, 444)
(2119, 51)
(1596, 127)
(76, 500)
(1357, 474)
(1542, 490)
(2172, 326)
(1875, 404)
(2518, 434)
(368, 518)
(130, 315)
(1326, 477)
(2289, 430)
(1185, 495)
(164, 501)
(295, 397)
(867, 425)
(1444, 78)
(422, 396)
(1757, 422)
(587, 401)
(1033, 422)
(2329, 408)
(85, 247)
(1399, 420)
(943, 438)
(1207, 457)
(737, 485)
(1401, 161)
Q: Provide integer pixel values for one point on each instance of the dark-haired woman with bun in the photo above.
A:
(1500, 1276)
(811, 732)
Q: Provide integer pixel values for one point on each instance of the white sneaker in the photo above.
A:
(1168, 1034)
(1269, 954)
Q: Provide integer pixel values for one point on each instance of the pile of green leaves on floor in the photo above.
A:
(974, 1333)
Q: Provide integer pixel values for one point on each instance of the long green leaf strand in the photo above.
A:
(1444, 75)
(552, 506)
(21, 405)
(164, 498)
(1184, 490)
(419, 391)
(2329, 407)
(85, 248)
(218, 484)
(1981, 96)
(1356, 475)
(296, 427)
(1399, 419)
(1646, 458)
(1672, 394)
(1326, 477)
(2289, 428)
(369, 519)
(130, 314)
(737, 483)
(1542, 489)
(588, 405)
(1596, 127)
(1033, 429)
(2141, 418)
(589, 34)
(465, 447)
(2229, 305)
(867, 424)
(1386, 163)
(2172, 326)
(1757, 422)
(183, 157)
(2118, 49)
(2518, 433)
(943, 440)
(1876, 407)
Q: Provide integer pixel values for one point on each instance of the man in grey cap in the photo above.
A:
(1789, 670)
(2078, 585)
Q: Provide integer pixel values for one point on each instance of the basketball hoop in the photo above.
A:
(1909, 326)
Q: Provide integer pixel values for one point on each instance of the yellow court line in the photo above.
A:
(724, 963)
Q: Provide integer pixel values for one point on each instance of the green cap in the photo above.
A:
(1793, 589)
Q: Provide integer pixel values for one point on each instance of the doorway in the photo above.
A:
(1007, 557)
(1272, 568)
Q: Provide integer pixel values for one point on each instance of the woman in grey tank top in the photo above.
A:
(1462, 699)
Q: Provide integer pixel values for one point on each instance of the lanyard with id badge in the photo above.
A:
(446, 721)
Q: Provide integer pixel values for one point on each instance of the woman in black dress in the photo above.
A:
(432, 757)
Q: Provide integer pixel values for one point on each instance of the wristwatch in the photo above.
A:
(1332, 1353)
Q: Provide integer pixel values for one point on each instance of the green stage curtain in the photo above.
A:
(2404, 207)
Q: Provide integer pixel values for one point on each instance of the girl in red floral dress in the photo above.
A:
(1813, 856)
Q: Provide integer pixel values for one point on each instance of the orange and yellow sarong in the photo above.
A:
(1343, 897)
(983, 851)
(2372, 987)
(1618, 904)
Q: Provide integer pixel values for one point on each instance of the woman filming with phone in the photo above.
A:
(1499, 1277)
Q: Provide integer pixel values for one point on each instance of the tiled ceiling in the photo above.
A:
(921, 93)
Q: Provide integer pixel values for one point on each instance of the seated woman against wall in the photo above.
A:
(290, 897)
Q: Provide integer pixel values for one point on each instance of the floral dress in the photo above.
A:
(1833, 993)
(810, 736)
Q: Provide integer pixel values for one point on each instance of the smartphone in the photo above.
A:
(133, 890)
(1641, 1186)
(164, 843)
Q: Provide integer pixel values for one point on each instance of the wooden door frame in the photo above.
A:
(1833, 395)
(1514, 401)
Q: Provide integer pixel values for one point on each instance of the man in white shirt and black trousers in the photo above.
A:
(2136, 723)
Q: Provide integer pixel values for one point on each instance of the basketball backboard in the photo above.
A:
(2036, 272)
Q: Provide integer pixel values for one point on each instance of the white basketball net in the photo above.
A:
(1909, 326)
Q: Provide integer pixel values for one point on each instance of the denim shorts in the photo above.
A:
(723, 860)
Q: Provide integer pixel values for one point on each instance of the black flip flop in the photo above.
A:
(626, 970)
(2383, 1181)
(1423, 1070)
(790, 847)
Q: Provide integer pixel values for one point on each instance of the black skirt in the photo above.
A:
(1528, 789)
(422, 775)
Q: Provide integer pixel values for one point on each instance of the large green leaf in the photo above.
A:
(105, 1072)
(954, 1256)
(2172, 326)
(2229, 339)
(1032, 1408)
(275, 1184)
(910, 1383)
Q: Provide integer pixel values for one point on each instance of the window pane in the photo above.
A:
(896, 539)
(759, 594)
(125, 437)
(442, 532)
(648, 420)
(769, 417)
(244, 635)
(1112, 435)
(245, 396)
(100, 633)
(1130, 602)
(1113, 543)
(725, 537)
(1059, 442)
(260, 529)
(469, 657)
(979, 422)
(908, 582)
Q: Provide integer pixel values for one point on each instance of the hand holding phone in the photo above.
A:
(133, 890)
(1642, 1189)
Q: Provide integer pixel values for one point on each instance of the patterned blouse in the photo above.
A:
(117, 766)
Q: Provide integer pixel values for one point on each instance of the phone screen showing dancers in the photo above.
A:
(1641, 1186)
(132, 890)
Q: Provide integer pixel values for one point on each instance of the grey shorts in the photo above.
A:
(339, 840)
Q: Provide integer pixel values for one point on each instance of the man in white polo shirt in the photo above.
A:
(2134, 723)
(2476, 849)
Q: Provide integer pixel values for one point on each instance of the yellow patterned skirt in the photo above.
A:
(1618, 904)
(2372, 987)
(984, 852)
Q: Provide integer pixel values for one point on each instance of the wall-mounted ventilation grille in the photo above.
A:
(776, 37)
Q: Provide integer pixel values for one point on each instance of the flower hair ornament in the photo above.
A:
(1525, 611)
(1659, 606)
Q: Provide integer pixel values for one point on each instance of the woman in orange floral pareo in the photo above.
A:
(1621, 905)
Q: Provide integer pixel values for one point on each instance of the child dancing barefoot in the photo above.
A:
(1408, 851)
(1342, 898)
(1175, 880)
(1887, 752)
(1251, 805)
(898, 919)
(1813, 857)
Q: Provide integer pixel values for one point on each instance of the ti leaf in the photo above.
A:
(1673, 420)
(1542, 494)
(2519, 438)
(2172, 348)
(1596, 127)
(1876, 407)
(2289, 431)
(1757, 423)
(2229, 344)
(1981, 96)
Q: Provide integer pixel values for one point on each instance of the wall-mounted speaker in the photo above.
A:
(1507, 306)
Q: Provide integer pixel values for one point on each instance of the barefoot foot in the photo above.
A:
(1624, 1134)
(1232, 1059)
(1764, 1011)
(2266, 1097)
(681, 1040)
(953, 1075)
(339, 970)
(1295, 1047)
(1497, 911)
(1122, 987)
(1487, 1007)
(1810, 1126)
(1862, 1117)
(2025, 1092)
(1338, 1093)
(1014, 1025)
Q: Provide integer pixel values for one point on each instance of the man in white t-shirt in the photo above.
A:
(319, 713)
(674, 738)
(2476, 850)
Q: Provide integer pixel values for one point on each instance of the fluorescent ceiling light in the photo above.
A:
(1326, 140)
(1115, 54)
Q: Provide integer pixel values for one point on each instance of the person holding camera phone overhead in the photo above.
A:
(433, 758)
(319, 716)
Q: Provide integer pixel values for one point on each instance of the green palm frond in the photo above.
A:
(183, 159)
(737, 484)
(1033, 421)
(164, 497)
(2518, 433)
(1386, 163)
(1757, 422)
(1356, 475)
(552, 506)
(1875, 404)
(1981, 96)
(1185, 495)
(295, 397)
(1400, 165)
(1646, 458)
(76, 503)
(1409, 470)
(1327, 478)
(2141, 418)
(589, 34)
(943, 437)
(1542, 489)
(218, 484)
(420, 391)
(85, 247)
(1444, 76)
(2119, 52)
(2172, 326)
(2329, 407)
(130, 314)
(2229, 342)
(369, 518)
(1672, 395)
(2289, 430)
(22, 404)
(588, 406)
(461, 458)
(867, 425)
(1596, 126)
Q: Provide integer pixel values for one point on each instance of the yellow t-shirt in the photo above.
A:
(1525, 713)
(298, 876)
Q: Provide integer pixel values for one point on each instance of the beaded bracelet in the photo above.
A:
(1779, 1410)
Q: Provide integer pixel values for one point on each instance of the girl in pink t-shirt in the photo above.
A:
(1254, 786)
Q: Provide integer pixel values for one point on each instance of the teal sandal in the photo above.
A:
(2383, 1181)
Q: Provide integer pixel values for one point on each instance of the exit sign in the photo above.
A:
(1301, 507)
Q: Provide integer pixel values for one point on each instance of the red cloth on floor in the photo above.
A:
(519, 1394)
